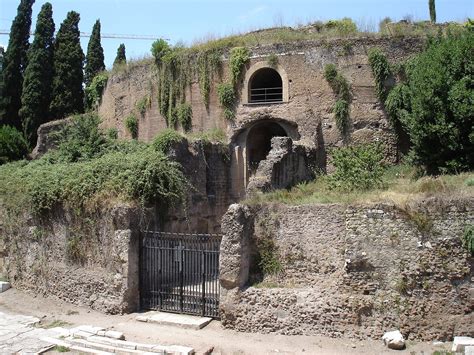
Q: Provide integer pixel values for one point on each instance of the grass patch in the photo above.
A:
(400, 185)
(61, 349)
(215, 135)
(53, 324)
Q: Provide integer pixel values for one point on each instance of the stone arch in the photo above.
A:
(264, 71)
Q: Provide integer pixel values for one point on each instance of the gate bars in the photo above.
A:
(180, 273)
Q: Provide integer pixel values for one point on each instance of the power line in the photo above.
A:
(107, 35)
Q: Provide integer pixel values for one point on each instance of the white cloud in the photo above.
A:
(252, 13)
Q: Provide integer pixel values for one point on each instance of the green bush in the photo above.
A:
(159, 49)
(185, 115)
(330, 73)
(13, 145)
(342, 27)
(165, 140)
(357, 168)
(143, 104)
(79, 140)
(131, 123)
(112, 133)
(93, 92)
(438, 105)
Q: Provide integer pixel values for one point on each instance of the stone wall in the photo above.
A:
(310, 98)
(89, 260)
(356, 271)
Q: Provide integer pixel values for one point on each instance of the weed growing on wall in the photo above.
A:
(272, 60)
(208, 63)
(341, 88)
(131, 123)
(93, 92)
(268, 261)
(226, 95)
(184, 113)
(381, 71)
(143, 104)
(166, 139)
(468, 238)
(357, 168)
(239, 56)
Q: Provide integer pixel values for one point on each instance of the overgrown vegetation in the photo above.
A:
(272, 60)
(267, 258)
(434, 104)
(357, 168)
(131, 123)
(381, 70)
(184, 113)
(143, 104)
(341, 89)
(226, 96)
(166, 139)
(239, 56)
(13, 145)
(213, 135)
(468, 238)
(94, 91)
(87, 175)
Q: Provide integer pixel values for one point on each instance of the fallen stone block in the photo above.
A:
(122, 344)
(90, 329)
(469, 350)
(394, 340)
(4, 285)
(114, 334)
(77, 333)
(460, 343)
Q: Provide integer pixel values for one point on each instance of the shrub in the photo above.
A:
(94, 91)
(439, 110)
(226, 95)
(112, 133)
(159, 49)
(239, 56)
(143, 104)
(79, 140)
(131, 123)
(165, 140)
(185, 116)
(330, 73)
(13, 145)
(357, 168)
(342, 27)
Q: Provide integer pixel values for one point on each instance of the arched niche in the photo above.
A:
(261, 76)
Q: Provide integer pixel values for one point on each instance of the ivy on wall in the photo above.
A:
(342, 90)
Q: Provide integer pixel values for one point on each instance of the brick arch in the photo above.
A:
(262, 65)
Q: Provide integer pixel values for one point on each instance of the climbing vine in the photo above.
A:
(239, 56)
(341, 88)
(208, 64)
(226, 95)
(381, 71)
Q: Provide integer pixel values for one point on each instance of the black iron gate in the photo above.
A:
(180, 272)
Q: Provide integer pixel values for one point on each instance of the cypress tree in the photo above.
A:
(67, 93)
(432, 11)
(95, 55)
(14, 65)
(120, 58)
(35, 98)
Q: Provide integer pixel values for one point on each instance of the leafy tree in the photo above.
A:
(14, 65)
(159, 49)
(12, 144)
(35, 98)
(432, 10)
(436, 105)
(120, 58)
(95, 55)
(68, 96)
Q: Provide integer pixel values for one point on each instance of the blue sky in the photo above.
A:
(188, 20)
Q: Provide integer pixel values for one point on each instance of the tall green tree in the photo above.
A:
(67, 92)
(121, 57)
(95, 55)
(432, 11)
(14, 65)
(36, 95)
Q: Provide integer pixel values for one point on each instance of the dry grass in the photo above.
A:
(401, 183)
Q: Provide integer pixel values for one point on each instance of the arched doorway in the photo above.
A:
(259, 142)
(265, 86)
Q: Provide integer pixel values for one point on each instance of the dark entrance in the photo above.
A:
(180, 273)
(259, 141)
(266, 86)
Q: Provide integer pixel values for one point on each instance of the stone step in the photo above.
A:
(71, 346)
(179, 320)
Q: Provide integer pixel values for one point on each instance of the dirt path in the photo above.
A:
(54, 312)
